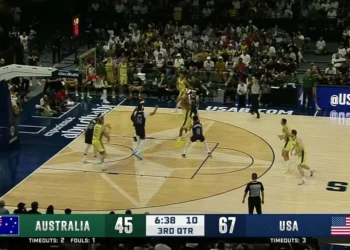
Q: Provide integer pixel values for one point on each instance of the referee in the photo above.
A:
(255, 96)
(254, 188)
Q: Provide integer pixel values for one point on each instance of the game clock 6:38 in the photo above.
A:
(165, 220)
(175, 225)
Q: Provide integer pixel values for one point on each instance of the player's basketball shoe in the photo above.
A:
(303, 182)
(103, 167)
(138, 156)
(84, 160)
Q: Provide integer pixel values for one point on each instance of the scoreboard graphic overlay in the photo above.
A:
(335, 228)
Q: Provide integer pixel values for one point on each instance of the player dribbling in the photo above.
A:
(197, 135)
(302, 157)
(138, 117)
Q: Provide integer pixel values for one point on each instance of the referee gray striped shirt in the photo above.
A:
(254, 188)
(255, 89)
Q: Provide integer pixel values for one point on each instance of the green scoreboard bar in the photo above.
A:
(80, 226)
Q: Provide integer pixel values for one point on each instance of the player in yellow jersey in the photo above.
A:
(288, 144)
(123, 76)
(300, 151)
(110, 77)
(181, 85)
(100, 130)
(186, 113)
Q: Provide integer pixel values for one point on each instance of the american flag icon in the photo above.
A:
(9, 225)
(340, 226)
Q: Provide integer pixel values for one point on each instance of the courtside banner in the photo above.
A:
(75, 74)
(223, 225)
(330, 97)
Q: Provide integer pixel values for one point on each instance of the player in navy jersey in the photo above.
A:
(194, 101)
(88, 138)
(197, 135)
(138, 118)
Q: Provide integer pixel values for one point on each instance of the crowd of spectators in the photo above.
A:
(211, 57)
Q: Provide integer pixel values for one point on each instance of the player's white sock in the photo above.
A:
(104, 94)
(140, 146)
(137, 144)
(207, 146)
(186, 147)
(87, 147)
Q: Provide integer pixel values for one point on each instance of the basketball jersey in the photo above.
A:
(297, 147)
(109, 69)
(283, 131)
(197, 129)
(123, 69)
(139, 119)
(182, 85)
(90, 129)
(98, 129)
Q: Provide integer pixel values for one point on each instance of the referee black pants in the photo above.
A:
(254, 202)
(255, 104)
(307, 94)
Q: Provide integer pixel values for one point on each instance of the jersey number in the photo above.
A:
(139, 120)
(337, 186)
(198, 131)
(91, 125)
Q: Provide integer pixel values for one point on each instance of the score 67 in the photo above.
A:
(227, 225)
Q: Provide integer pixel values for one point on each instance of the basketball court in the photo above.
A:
(164, 182)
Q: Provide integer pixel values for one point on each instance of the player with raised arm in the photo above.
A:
(138, 117)
(197, 135)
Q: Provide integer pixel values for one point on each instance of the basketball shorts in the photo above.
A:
(302, 157)
(88, 139)
(195, 138)
(194, 111)
(288, 145)
(140, 132)
(123, 80)
(98, 145)
(110, 79)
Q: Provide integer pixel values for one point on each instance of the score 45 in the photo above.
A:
(124, 225)
(227, 225)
